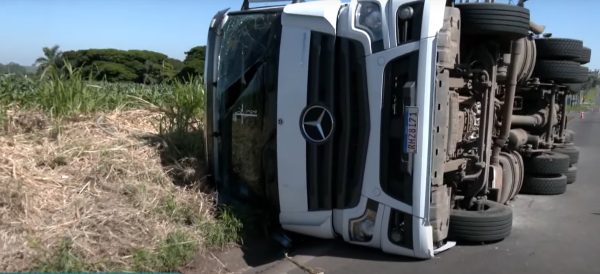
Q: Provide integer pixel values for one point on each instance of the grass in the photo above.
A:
(175, 250)
(68, 93)
(63, 259)
(225, 230)
(579, 108)
(85, 188)
(182, 107)
(179, 211)
(589, 97)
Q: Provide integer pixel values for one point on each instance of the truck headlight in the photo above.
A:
(368, 18)
(362, 228)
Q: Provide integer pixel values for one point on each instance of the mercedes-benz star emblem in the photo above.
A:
(317, 124)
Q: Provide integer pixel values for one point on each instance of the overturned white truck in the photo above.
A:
(397, 124)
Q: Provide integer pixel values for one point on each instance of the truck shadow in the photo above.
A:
(262, 250)
(340, 249)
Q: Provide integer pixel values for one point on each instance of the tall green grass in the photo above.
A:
(182, 107)
(181, 126)
(68, 92)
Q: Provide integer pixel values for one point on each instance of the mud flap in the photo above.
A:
(445, 247)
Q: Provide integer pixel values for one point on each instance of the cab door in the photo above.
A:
(241, 77)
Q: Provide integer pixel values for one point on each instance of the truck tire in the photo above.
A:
(547, 163)
(497, 20)
(550, 185)
(585, 56)
(559, 48)
(571, 175)
(560, 71)
(494, 223)
(569, 150)
(585, 74)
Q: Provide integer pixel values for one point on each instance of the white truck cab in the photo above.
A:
(382, 122)
(317, 78)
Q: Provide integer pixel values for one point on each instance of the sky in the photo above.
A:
(174, 26)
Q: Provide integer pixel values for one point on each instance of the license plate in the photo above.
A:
(411, 127)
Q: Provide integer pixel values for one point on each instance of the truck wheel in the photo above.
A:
(509, 177)
(493, 223)
(569, 150)
(521, 169)
(499, 20)
(560, 71)
(512, 175)
(571, 174)
(559, 48)
(551, 185)
(548, 163)
(585, 56)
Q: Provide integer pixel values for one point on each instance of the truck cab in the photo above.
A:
(382, 122)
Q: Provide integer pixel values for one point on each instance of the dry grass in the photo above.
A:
(93, 192)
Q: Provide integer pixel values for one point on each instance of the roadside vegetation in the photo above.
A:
(588, 97)
(104, 176)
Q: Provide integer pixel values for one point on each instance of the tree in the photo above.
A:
(52, 59)
(193, 65)
(13, 68)
(114, 72)
(140, 66)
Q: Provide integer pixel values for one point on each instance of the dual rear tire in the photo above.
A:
(561, 71)
(560, 60)
(546, 174)
(573, 153)
(545, 185)
(550, 172)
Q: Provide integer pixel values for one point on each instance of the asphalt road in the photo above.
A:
(551, 234)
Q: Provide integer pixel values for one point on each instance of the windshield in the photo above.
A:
(245, 39)
(247, 85)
